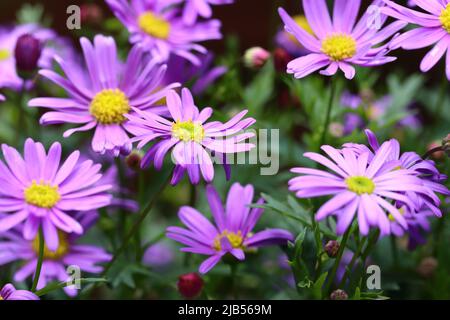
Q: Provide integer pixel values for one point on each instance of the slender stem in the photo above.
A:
(339, 255)
(37, 273)
(352, 263)
(328, 115)
(136, 227)
(372, 241)
(193, 195)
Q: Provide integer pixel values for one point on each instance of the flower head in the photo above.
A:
(41, 192)
(339, 43)
(232, 232)
(188, 134)
(8, 292)
(361, 185)
(160, 29)
(55, 262)
(433, 29)
(100, 95)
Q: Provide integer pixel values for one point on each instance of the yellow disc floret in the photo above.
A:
(109, 106)
(339, 46)
(236, 240)
(188, 131)
(42, 195)
(4, 54)
(60, 252)
(360, 185)
(154, 25)
(445, 18)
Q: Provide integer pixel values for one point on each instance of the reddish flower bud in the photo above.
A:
(437, 155)
(190, 285)
(256, 58)
(446, 144)
(91, 13)
(332, 248)
(27, 53)
(134, 159)
(339, 295)
(281, 58)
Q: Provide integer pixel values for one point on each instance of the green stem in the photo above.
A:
(37, 273)
(337, 261)
(328, 114)
(136, 227)
(352, 263)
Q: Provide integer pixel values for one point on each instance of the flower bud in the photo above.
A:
(256, 57)
(427, 267)
(332, 248)
(281, 58)
(134, 159)
(27, 53)
(190, 285)
(339, 295)
(91, 13)
(437, 155)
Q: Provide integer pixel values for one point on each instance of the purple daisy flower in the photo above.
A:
(158, 255)
(55, 262)
(8, 292)
(232, 232)
(433, 29)
(40, 192)
(195, 8)
(425, 170)
(102, 99)
(189, 137)
(160, 29)
(360, 186)
(339, 43)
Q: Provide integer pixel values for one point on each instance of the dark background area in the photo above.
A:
(255, 22)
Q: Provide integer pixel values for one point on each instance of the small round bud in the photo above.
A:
(437, 155)
(190, 285)
(427, 267)
(338, 295)
(134, 159)
(91, 13)
(27, 53)
(256, 57)
(281, 58)
(332, 248)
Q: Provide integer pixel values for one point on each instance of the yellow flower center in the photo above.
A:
(62, 250)
(154, 26)
(236, 240)
(188, 131)
(339, 46)
(109, 106)
(360, 185)
(4, 54)
(302, 22)
(445, 18)
(42, 194)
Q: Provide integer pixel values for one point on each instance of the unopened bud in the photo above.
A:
(256, 57)
(427, 267)
(190, 285)
(281, 58)
(436, 155)
(134, 159)
(27, 53)
(91, 13)
(332, 248)
(339, 295)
